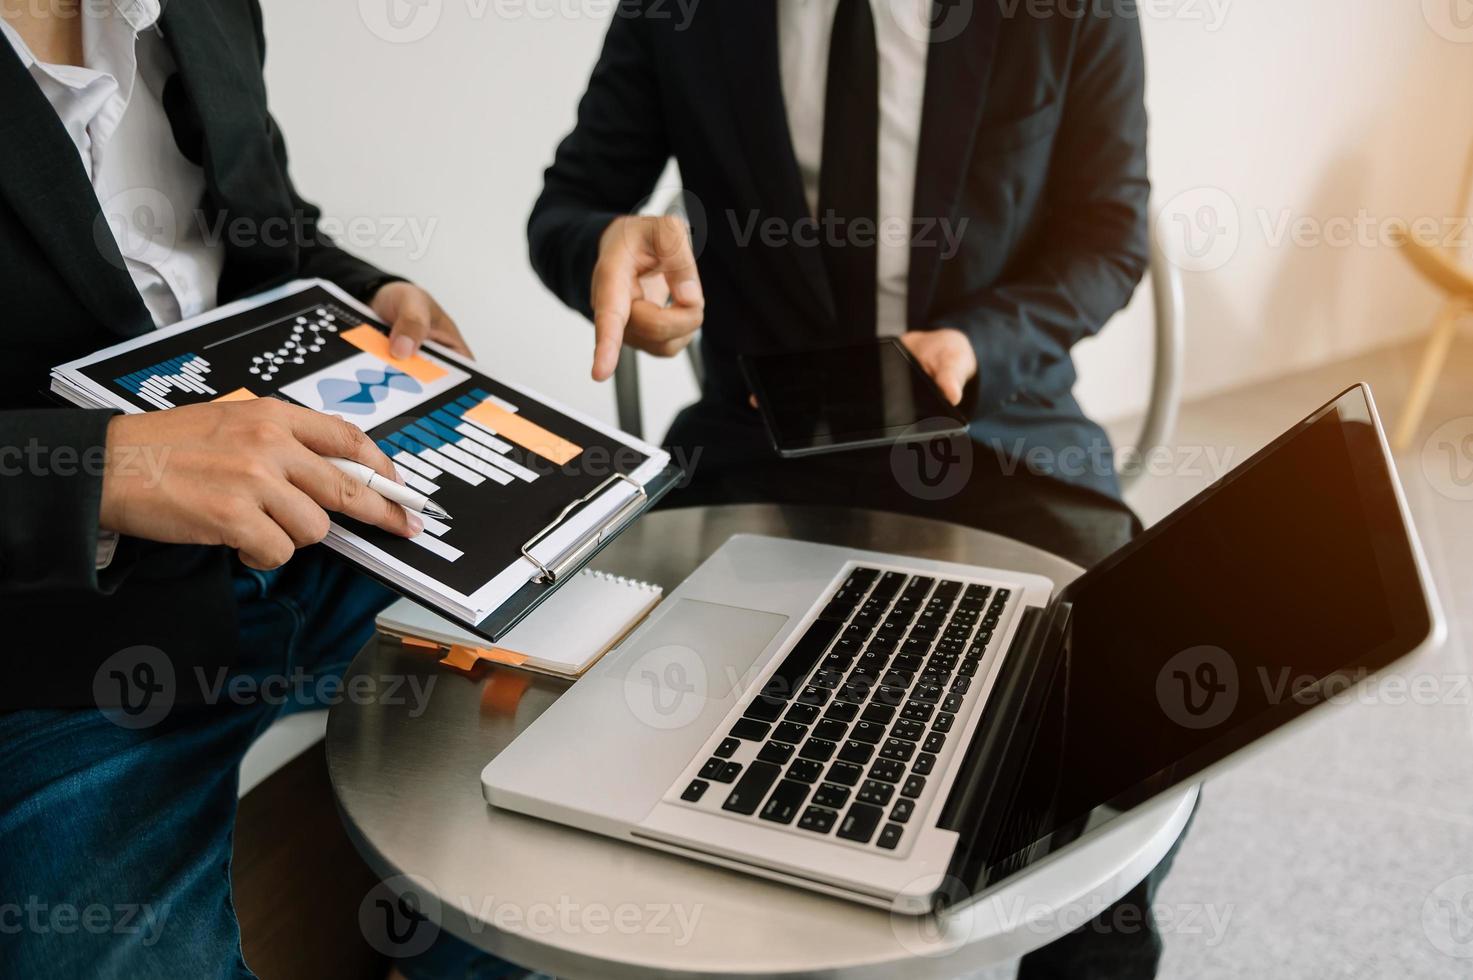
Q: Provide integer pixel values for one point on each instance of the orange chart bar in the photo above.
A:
(530, 436)
(238, 395)
(370, 341)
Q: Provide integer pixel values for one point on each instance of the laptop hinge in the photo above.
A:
(1004, 730)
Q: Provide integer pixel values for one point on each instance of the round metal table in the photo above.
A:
(406, 774)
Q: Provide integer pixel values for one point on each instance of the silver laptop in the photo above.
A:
(911, 733)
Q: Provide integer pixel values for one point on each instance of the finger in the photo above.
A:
(661, 324)
(950, 376)
(612, 297)
(298, 515)
(678, 262)
(411, 326)
(335, 491)
(444, 331)
(327, 435)
(655, 289)
(260, 542)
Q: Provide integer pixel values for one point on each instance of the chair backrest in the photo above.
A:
(626, 394)
(1465, 205)
(1170, 343)
(1162, 407)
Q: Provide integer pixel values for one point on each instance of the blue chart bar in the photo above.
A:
(183, 373)
(416, 462)
(476, 397)
(431, 454)
(449, 442)
(465, 403)
(445, 444)
(416, 475)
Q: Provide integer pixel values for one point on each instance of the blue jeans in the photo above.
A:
(115, 831)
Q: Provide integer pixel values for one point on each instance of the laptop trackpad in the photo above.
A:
(697, 648)
(611, 746)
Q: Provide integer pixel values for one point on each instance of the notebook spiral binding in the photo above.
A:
(632, 583)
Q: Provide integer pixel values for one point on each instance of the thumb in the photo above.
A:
(949, 372)
(409, 318)
(678, 262)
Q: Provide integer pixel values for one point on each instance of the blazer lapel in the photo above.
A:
(46, 185)
(749, 48)
(957, 73)
(243, 179)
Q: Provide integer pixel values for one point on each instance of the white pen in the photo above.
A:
(396, 492)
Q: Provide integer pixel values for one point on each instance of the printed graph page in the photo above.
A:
(503, 462)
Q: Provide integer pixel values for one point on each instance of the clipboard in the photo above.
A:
(443, 420)
(577, 555)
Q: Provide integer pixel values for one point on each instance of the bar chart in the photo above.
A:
(451, 443)
(154, 384)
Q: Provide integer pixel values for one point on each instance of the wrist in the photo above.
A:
(114, 479)
(370, 290)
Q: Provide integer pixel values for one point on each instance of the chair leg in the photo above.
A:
(1444, 329)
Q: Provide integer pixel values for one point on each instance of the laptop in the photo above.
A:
(910, 733)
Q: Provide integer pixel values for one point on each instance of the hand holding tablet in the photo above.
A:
(853, 397)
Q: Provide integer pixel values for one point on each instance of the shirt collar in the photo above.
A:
(22, 50)
(139, 15)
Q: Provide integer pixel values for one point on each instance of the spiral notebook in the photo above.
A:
(565, 635)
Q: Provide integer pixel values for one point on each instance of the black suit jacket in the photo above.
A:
(66, 293)
(1033, 145)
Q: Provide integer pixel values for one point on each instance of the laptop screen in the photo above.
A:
(1288, 581)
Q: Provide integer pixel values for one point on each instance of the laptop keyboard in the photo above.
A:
(842, 738)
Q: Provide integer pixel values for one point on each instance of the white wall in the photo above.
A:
(1279, 113)
(1266, 110)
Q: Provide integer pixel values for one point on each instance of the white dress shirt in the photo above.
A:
(113, 111)
(902, 38)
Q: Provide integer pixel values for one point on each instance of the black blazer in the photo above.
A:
(66, 293)
(1033, 144)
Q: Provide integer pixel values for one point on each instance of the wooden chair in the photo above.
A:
(1447, 272)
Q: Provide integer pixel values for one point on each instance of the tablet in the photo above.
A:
(852, 397)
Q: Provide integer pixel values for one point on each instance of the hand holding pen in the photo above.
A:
(397, 492)
(252, 476)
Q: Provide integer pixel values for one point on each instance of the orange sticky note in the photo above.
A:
(464, 657)
(461, 658)
(529, 435)
(370, 341)
(238, 395)
(496, 655)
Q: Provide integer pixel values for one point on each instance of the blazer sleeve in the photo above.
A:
(1094, 248)
(50, 493)
(320, 258)
(606, 167)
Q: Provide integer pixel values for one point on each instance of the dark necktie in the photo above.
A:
(849, 173)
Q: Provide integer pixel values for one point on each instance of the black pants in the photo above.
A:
(965, 485)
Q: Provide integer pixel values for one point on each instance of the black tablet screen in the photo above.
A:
(860, 395)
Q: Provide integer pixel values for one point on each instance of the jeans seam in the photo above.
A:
(288, 657)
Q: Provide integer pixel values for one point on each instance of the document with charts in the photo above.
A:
(534, 488)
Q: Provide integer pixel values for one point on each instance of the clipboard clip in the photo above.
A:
(573, 555)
